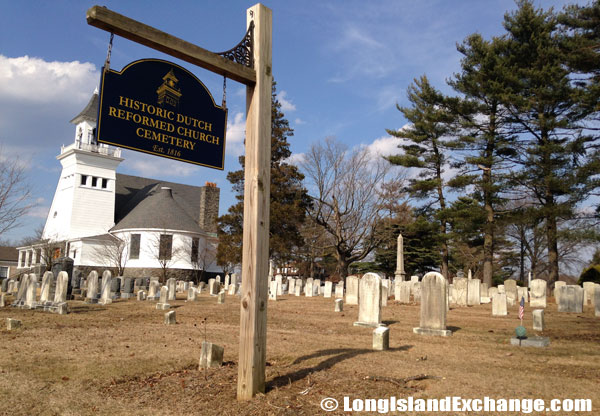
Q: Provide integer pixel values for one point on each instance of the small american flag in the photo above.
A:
(521, 308)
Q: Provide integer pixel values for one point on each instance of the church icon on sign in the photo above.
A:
(168, 93)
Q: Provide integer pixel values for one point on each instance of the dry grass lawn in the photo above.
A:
(121, 359)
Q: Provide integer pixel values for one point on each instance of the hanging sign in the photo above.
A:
(157, 107)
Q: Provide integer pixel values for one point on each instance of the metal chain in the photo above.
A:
(224, 102)
(110, 44)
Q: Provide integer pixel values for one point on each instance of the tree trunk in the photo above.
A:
(552, 236)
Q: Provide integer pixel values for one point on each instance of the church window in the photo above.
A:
(3, 272)
(134, 246)
(104, 183)
(165, 247)
(83, 180)
(94, 181)
(195, 245)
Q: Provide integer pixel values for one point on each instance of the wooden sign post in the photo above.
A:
(255, 255)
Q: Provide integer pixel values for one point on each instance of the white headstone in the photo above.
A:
(570, 298)
(473, 292)
(352, 293)
(369, 305)
(499, 304)
(538, 293)
(434, 306)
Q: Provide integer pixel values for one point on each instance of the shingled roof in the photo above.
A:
(159, 210)
(8, 253)
(90, 112)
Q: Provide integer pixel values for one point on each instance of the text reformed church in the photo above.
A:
(99, 217)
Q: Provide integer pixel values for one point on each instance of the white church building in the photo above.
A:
(103, 219)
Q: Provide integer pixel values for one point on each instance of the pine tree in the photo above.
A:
(544, 101)
(424, 148)
(288, 200)
(486, 140)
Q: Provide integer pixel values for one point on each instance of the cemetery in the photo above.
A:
(176, 352)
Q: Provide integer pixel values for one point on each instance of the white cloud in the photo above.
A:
(384, 146)
(296, 159)
(299, 121)
(39, 211)
(286, 105)
(236, 133)
(35, 80)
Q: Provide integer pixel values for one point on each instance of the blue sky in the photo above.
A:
(340, 68)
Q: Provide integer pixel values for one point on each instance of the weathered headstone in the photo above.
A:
(557, 284)
(369, 303)
(538, 293)
(278, 285)
(510, 288)
(328, 288)
(339, 305)
(484, 290)
(352, 293)
(60, 295)
(499, 304)
(402, 292)
(211, 355)
(31, 293)
(105, 297)
(232, 289)
(2, 300)
(384, 295)
(273, 290)
(538, 319)
(381, 338)
(588, 293)
(298, 290)
(316, 287)
(415, 290)
(221, 297)
(170, 318)
(171, 286)
(22, 291)
(308, 289)
(141, 295)
(433, 306)
(92, 288)
(162, 302)
(522, 292)
(115, 288)
(339, 290)
(461, 288)
(12, 324)
(153, 290)
(570, 298)
(597, 300)
(4, 286)
(473, 292)
(64, 264)
(192, 294)
(291, 286)
(213, 287)
(492, 291)
(127, 288)
(501, 289)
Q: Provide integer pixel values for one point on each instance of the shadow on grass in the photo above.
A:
(454, 328)
(86, 308)
(388, 323)
(337, 355)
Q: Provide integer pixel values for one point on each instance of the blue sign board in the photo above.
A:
(157, 107)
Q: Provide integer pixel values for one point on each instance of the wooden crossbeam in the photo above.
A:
(113, 22)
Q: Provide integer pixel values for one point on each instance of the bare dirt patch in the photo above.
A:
(121, 359)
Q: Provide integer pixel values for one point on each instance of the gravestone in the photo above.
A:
(115, 288)
(138, 284)
(61, 294)
(31, 293)
(510, 288)
(298, 290)
(403, 291)
(170, 318)
(308, 289)
(91, 295)
(141, 295)
(273, 290)
(381, 338)
(12, 324)
(218, 279)
(538, 319)
(327, 289)
(414, 279)
(339, 305)
(213, 287)
(22, 291)
(232, 289)
(227, 281)
(221, 297)
(339, 290)
(384, 295)
(597, 300)
(172, 288)
(291, 286)
(211, 355)
(153, 290)
(4, 286)
(588, 293)
(64, 264)
(192, 294)
(473, 292)
(538, 293)
(522, 292)
(484, 290)
(415, 290)
(434, 306)
(278, 285)
(47, 283)
(352, 292)
(557, 284)
(162, 302)
(499, 307)
(105, 297)
(2, 300)
(76, 282)
(570, 298)
(461, 288)
(234, 280)
(501, 289)
(369, 301)
(127, 288)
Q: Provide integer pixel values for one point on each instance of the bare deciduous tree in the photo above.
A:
(113, 253)
(15, 195)
(344, 187)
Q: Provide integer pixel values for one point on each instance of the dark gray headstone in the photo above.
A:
(76, 279)
(127, 285)
(139, 282)
(115, 285)
(4, 287)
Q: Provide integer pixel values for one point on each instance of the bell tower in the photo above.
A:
(84, 201)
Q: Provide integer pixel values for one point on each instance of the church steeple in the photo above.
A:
(85, 121)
